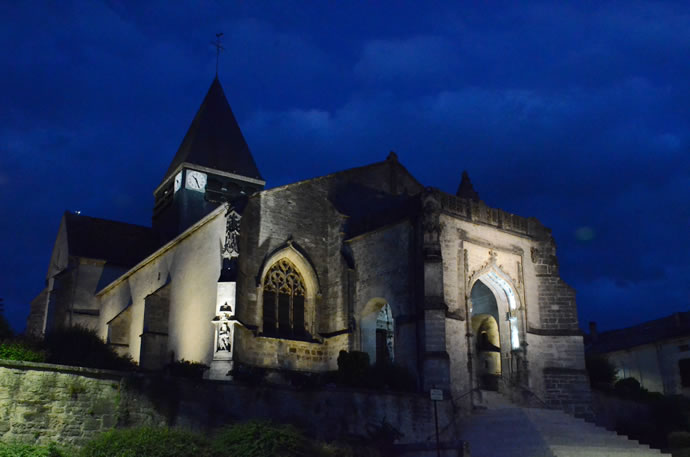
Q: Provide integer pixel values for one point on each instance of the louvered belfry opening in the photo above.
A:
(283, 301)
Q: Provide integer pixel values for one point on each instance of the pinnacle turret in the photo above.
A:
(465, 189)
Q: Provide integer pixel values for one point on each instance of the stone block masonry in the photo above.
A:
(568, 389)
(41, 403)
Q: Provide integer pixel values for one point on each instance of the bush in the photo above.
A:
(21, 351)
(146, 442)
(679, 440)
(31, 450)
(629, 388)
(186, 369)
(344, 450)
(353, 368)
(79, 346)
(261, 439)
(602, 373)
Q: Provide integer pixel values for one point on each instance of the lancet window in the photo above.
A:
(384, 335)
(283, 301)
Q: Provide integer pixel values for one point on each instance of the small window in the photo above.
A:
(684, 368)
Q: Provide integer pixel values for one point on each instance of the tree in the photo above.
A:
(602, 373)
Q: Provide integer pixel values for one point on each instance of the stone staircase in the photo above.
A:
(499, 428)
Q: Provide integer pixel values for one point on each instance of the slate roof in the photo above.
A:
(117, 243)
(669, 327)
(214, 139)
(369, 209)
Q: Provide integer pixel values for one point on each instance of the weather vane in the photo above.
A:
(218, 49)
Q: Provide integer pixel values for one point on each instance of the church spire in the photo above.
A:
(214, 140)
(465, 189)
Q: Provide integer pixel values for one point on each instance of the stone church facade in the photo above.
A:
(462, 295)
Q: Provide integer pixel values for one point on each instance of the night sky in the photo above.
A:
(575, 113)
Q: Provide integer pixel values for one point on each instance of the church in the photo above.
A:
(231, 273)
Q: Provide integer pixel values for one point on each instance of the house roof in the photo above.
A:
(117, 243)
(669, 327)
(214, 139)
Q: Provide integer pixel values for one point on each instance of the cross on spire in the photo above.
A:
(218, 49)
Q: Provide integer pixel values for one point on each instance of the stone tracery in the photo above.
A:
(283, 300)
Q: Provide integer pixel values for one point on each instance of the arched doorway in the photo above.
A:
(494, 322)
(377, 331)
(384, 335)
(486, 339)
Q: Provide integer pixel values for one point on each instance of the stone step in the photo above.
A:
(499, 429)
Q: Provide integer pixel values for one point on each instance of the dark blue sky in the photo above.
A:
(577, 113)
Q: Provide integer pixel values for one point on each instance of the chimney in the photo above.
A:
(593, 334)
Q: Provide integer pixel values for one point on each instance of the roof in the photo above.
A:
(369, 209)
(214, 140)
(117, 243)
(669, 327)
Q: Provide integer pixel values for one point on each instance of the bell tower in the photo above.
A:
(213, 165)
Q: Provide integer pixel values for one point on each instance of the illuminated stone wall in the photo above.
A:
(476, 240)
(189, 266)
(41, 403)
(289, 354)
(384, 273)
(301, 220)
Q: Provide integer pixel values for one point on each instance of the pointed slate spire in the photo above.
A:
(214, 140)
(465, 189)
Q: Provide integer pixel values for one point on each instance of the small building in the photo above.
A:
(656, 353)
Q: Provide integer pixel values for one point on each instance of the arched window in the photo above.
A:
(384, 335)
(283, 300)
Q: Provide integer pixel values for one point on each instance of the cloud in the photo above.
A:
(416, 59)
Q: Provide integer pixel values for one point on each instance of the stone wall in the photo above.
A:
(42, 402)
(289, 354)
(568, 389)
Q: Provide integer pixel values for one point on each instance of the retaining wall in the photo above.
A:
(44, 402)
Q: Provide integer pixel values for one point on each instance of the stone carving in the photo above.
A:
(231, 247)
(224, 338)
(534, 253)
(430, 218)
(486, 267)
(284, 278)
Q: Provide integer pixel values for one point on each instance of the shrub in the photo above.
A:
(146, 442)
(602, 373)
(344, 450)
(353, 368)
(82, 347)
(31, 450)
(21, 351)
(629, 388)
(261, 439)
(186, 369)
(679, 440)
